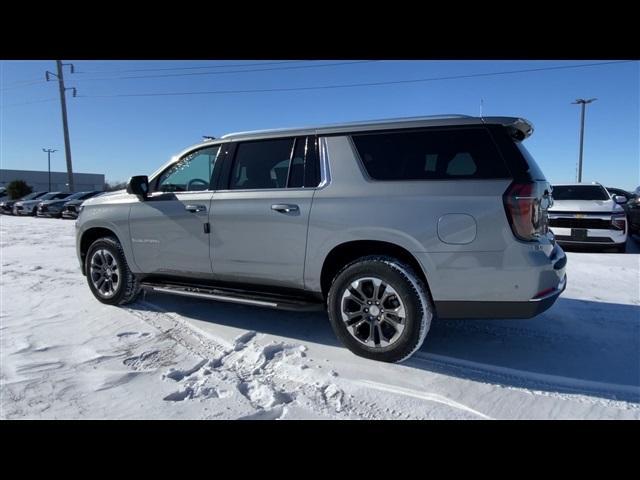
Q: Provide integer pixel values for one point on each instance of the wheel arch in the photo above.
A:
(88, 237)
(345, 253)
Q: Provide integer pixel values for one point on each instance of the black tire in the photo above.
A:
(128, 287)
(413, 294)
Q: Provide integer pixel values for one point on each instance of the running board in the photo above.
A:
(256, 299)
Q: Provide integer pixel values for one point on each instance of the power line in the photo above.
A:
(29, 103)
(190, 68)
(26, 84)
(167, 75)
(355, 85)
(22, 84)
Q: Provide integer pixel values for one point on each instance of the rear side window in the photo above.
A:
(277, 163)
(430, 155)
(262, 164)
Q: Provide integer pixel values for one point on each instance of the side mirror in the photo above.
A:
(138, 185)
(619, 199)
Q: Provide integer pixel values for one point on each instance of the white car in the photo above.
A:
(586, 214)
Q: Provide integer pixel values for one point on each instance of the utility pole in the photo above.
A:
(65, 126)
(49, 152)
(582, 102)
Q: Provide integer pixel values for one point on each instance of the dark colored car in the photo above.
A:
(633, 213)
(53, 208)
(6, 206)
(631, 207)
(622, 193)
(71, 209)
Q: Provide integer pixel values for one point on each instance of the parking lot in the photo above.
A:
(65, 355)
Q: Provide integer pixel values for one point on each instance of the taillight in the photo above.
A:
(526, 216)
(619, 221)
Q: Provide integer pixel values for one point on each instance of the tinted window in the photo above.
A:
(60, 195)
(191, 173)
(49, 196)
(261, 164)
(430, 155)
(296, 172)
(312, 163)
(618, 191)
(89, 195)
(579, 192)
(33, 195)
(79, 195)
(534, 169)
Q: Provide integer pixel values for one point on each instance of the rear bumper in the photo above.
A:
(484, 310)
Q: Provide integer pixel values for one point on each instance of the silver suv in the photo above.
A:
(386, 224)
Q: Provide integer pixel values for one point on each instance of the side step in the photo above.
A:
(257, 299)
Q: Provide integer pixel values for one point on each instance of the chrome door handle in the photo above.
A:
(285, 208)
(195, 208)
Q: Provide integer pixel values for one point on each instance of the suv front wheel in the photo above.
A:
(108, 274)
(380, 308)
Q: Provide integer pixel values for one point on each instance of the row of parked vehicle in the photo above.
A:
(48, 204)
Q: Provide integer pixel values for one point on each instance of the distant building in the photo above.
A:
(39, 180)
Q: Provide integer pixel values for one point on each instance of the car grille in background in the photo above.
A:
(580, 223)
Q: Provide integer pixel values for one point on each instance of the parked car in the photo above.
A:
(586, 214)
(3, 193)
(633, 213)
(29, 207)
(383, 223)
(71, 208)
(6, 206)
(53, 208)
(623, 193)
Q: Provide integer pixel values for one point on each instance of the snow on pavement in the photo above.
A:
(65, 355)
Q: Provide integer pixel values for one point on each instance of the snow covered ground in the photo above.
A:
(65, 355)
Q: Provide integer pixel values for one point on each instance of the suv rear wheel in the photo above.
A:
(380, 308)
(108, 274)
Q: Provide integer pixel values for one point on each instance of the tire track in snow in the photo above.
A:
(431, 397)
(522, 379)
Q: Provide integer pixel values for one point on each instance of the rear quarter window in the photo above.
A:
(434, 154)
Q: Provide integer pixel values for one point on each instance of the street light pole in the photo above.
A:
(582, 102)
(49, 152)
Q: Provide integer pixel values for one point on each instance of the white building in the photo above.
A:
(39, 180)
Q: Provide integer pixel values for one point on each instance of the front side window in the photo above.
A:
(191, 173)
(262, 164)
(430, 155)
